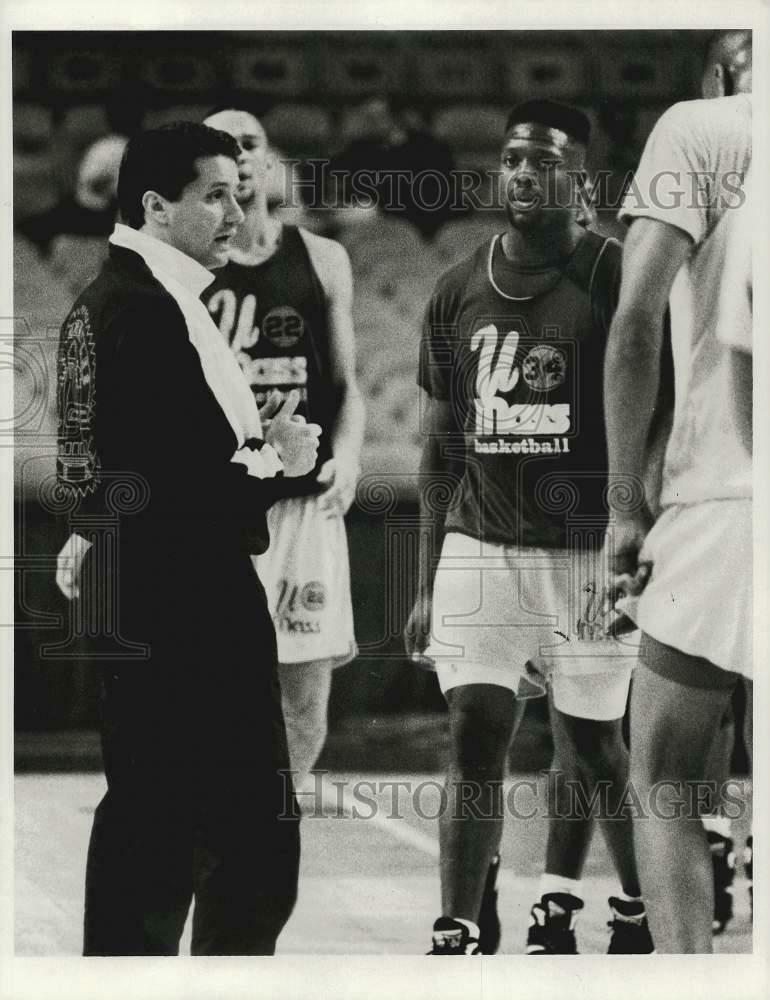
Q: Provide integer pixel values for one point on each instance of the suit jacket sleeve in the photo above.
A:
(157, 419)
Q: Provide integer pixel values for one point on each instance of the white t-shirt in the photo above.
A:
(735, 317)
(692, 171)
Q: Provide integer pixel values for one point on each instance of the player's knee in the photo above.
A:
(599, 749)
(307, 713)
(479, 743)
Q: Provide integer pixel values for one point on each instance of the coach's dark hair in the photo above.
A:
(163, 160)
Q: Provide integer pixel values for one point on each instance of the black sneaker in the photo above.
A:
(630, 933)
(552, 925)
(450, 937)
(723, 864)
(748, 867)
(489, 921)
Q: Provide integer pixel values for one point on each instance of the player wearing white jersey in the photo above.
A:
(695, 612)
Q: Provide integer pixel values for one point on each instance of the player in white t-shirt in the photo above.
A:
(695, 612)
(735, 330)
(727, 70)
(734, 327)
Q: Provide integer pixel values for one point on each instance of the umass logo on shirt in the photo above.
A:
(511, 401)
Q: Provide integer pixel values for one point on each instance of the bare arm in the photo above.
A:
(332, 266)
(652, 255)
(436, 464)
(742, 372)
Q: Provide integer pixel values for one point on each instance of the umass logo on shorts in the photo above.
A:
(313, 596)
(292, 599)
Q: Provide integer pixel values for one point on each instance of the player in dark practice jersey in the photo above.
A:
(284, 304)
(512, 365)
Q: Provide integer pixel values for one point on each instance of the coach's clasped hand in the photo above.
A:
(295, 440)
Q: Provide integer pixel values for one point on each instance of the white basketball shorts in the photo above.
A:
(524, 617)
(306, 575)
(699, 598)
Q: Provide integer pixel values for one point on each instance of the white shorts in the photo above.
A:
(306, 574)
(700, 597)
(524, 617)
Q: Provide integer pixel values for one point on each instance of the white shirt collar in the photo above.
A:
(162, 256)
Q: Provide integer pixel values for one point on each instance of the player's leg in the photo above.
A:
(590, 677)
(552, 923)
(748, 722)
(305, 695)
(589, 778)
(480, 650)
(306, 575)
(569, 826)
(718, 825)
(482, 722)
(748, 735)
(674, 721)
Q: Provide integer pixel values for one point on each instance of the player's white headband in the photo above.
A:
(533, 132)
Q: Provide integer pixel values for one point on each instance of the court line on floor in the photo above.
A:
(402, 830)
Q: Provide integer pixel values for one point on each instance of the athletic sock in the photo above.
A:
(628, 899)
(472, 928)
(558, 883)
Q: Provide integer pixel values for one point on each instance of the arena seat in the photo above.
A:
(647, 118)
(35, 187)
(546, 70)
(20, 70)
(459, 239)
(75, 260)
(394, 276)
(393, 443)
(175, 113)
(40, 300)
(40, 305)
(380, 238)
(80, 126)
(32, 128)
(455, 71)
(650, 73)
(178, 73)
(298, 128)
(471, 127)
(358, 69)
(274, 70)
(83, 124)
(83, 72)
(34, 401)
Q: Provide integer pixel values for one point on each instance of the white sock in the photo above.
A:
(628, 899)
(558, 883)
(473, 928)
(718, 824)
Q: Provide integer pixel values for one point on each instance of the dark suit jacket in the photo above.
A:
(147, 448)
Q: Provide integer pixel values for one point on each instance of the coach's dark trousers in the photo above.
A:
(196, 806)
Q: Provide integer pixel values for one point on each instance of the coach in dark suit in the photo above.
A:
(159, 425)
